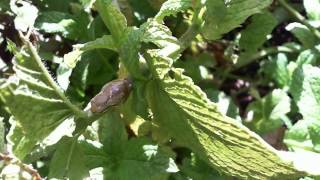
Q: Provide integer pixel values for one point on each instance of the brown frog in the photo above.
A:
(113, 93)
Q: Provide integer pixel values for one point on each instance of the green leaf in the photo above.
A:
(70, 26)
(309, 56)
(312, 7)
(276, 69)
(221, 17)
(68, 161)
(172, 7)
(140, 159)
(305, 89)
(33, 102)
(256, 32)
(195, 168)
(314, 131)
(304, 35)
(298, 136)
(113, 18)
(269, 113)
(134, 159)
(105, 42)
(183, 111)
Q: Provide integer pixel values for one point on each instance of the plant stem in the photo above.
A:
(51, 82)
(299, 17)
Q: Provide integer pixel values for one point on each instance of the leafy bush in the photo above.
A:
(176, 89)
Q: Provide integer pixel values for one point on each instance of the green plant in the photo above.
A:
(165, 126)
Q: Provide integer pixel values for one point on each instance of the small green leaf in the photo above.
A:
(68, 161)
(276, 69)
(256, 32)
(305, 36)
(269, 112)
(172, 7)
(298, 136)
(105, 42)
(223, 16)
(309, 56)
(305, 89)
(312, 7)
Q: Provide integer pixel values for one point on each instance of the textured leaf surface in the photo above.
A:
(33, 103)
(223, 16)
(182, 110)
(305, 88)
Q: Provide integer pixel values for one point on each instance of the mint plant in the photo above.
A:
(116, 89)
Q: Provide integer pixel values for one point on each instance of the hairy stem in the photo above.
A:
(51, 82)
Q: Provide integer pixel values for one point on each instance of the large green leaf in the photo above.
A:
(137, 158)
(37, 107)
(183, 111)
(305, 89)
(68, 160)
(223, 16)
